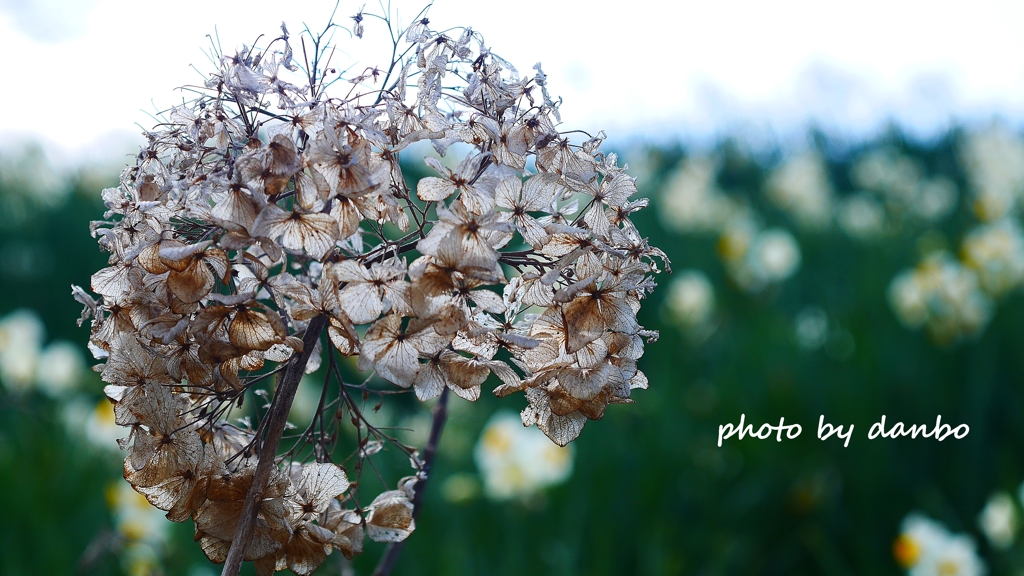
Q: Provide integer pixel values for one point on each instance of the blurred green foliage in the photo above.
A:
(651, 492)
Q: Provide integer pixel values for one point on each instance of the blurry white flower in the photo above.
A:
(21, 337)
(96, 419)
(956, 556)
(140, 559)
(899, 179)
(737, 237)
(895, 176)
(691, 299)
(994, 161)
(134, 518)
(996, 252)
(692, 201)
(60, 367)
(756, 259)
(999, 520)
(935, 199)
(24, 363)
(861, 216)
(518, 462)
(811, 328)
(908, 299)
(944, 296)
(801, 187)
(919, 537)
(776, 255)
(925, 548)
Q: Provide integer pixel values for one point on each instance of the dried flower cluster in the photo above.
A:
(267, 209)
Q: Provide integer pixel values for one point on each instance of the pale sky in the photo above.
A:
(80, 73)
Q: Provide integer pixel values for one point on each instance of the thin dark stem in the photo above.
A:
(393, 251)
(390, 557)
(276, 419)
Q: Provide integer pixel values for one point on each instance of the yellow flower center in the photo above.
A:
(906, 550)
(497, 440)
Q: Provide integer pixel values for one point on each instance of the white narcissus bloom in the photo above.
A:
(994, 161)
(691, 299)
(756, 258)
(801, 186)
(908, 299)
(956, 556)
(944, 296)
(936, 198)
(926, 548)
(775, 255)
(21, 340)
(919, 538)
(888, 172)
(692, 201)
(861, 216)
(996, 252)
(141, 559)
(518, 462)
(96, 419)
(134, 517)
(60, 367)
(999, 520)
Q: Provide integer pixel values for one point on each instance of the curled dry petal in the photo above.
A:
(390, 518)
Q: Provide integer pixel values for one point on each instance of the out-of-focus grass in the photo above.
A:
(651, 492)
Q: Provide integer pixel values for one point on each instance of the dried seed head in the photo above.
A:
(243, 221)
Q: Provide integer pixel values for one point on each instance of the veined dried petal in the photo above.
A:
(236, 211)
(343, 336)
(251, 330)
(306, 549)
(318, 485)
(464, 375)
(583, 383)
(390, 518)
(315, 233)
(433, 189)
(560, 429)
(347, 526)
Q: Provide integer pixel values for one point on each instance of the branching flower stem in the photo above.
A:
(440, 415)
(276, 420)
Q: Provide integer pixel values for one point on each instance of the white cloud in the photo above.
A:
(77, 71)
(47, 21)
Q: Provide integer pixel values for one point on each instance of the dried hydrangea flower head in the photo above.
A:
(267, 229)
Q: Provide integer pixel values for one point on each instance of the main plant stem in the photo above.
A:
(387, 561)
(287, 384)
